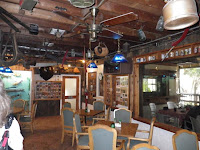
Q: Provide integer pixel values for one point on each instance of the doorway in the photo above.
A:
(71, 91)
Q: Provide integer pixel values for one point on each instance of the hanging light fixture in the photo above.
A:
(7, 70)
(82, 3)
(180, 14)
(76, 70)
(119, 58)
(2, 69)
(141, 34)
(92, 64)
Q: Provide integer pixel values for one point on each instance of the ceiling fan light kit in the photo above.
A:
(82, 3)
(180, 14)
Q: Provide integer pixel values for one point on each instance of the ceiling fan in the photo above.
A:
(94, 29)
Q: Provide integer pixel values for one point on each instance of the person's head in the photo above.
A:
(4, 104)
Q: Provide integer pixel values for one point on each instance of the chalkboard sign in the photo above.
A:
(48, 90)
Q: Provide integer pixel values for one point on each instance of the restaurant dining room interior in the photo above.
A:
(103, 74)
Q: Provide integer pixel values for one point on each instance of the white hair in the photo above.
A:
(4, 104)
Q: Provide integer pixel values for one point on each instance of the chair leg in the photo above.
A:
(31, 127)
(73, 137)
(62, 137)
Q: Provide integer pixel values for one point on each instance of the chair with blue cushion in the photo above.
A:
(27, 118)
(102, 137)
(67, 123)
(134, 141)
(82, 138)
(99, 105)
(195, 124)
(144, 146)
(67, 104)
(185, 140)
(123, 115)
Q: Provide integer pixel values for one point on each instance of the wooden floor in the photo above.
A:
(47, 135)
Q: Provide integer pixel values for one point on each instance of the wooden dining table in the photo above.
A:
(126, 129)
(91, 113)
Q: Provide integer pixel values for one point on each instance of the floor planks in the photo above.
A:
(47, 135)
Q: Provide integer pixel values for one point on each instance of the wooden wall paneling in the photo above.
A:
(136, 92)
(141, 100)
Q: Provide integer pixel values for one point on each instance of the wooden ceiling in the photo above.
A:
(148, 12)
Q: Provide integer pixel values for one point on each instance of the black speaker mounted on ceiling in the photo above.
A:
(46, 72)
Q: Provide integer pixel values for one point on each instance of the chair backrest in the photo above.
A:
(99, 105)
(19, 103)
(195, 124)
(67, 104)
(33, 111)
(185, 140)
(67, 117)
(102, 137)
(170, 105)
(123, 115)
(151, 130)
(144, 146)
(77, 125)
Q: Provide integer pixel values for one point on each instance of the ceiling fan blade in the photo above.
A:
(65, 15)
(71, 34)
(111, 33)
(102, 1)
(120, 19)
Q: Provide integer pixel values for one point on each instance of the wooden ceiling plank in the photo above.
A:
(38, 13)
(50, 6)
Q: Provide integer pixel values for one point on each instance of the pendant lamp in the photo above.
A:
(180, 14)
(2, 69)
(76, 70)
(7, 70)
(119, 58)
(82, 3)
(92, 64)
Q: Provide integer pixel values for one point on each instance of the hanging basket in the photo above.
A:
(101, 50)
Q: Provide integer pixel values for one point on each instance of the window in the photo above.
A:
(149, 85)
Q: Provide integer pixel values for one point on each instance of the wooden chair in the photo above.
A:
(67, 123)
(82, 138)
(98, 105)
(144, 146)
(19, 103)
(27, 118)
(102, 137)
(195, 124)
(103, 117)
(134, 141)
(185, 140)
(123, 115)
(67, 104)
